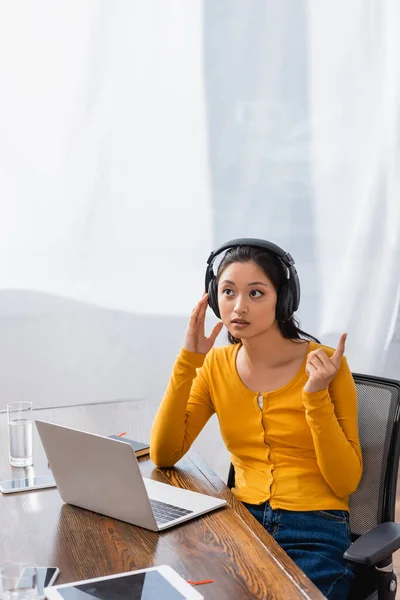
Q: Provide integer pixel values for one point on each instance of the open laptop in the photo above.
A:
(103, 475)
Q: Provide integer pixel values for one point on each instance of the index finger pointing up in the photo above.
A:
(337, 355)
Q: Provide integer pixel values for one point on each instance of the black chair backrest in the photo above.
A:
(378, 421)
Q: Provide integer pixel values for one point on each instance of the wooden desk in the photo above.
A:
(227, 545)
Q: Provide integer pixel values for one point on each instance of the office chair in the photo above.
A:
(372, 506)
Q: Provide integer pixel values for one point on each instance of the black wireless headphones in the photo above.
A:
(289, 296)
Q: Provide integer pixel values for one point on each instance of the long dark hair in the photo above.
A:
(276, 272)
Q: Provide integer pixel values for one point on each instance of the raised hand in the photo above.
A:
(195, 338)
(321, 369)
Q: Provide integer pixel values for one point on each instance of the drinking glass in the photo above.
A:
(20, 433)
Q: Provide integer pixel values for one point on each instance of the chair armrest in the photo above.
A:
(375, 545)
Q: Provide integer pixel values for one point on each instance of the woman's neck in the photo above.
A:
(268, 349)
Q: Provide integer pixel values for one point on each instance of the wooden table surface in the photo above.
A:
(228, 545)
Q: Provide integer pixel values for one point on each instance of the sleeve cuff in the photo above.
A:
(313, 400)
(193, 359)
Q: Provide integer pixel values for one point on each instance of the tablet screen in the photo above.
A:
(140, 586)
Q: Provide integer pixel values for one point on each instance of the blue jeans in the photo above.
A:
(315, 540)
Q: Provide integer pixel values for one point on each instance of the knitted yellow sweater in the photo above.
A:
(300, 451)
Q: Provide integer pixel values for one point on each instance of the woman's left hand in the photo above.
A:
(321, 369)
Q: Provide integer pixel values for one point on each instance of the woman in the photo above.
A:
(286, 405)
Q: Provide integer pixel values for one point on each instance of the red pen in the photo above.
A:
(121, 434)
(200, 582)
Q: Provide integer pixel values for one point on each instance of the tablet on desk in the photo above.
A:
(145, 584)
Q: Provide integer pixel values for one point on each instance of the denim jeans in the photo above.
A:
(315, 540)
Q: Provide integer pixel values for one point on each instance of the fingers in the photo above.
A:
(203, 305)
(342, 343)
(319, 358)
(338, 354)
(319, 368)
(216, 331)
(203, 300)
(310, 368)
(200, 308)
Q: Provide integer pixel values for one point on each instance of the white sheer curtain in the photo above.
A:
(137, 135)
(104, 171)
(354, 57)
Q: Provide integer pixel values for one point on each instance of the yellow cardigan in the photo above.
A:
(301, 451)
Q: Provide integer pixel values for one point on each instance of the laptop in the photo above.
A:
(102, 475)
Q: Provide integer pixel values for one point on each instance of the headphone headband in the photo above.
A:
(285, 257)
(286, 307)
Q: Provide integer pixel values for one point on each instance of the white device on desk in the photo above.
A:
(10, 486)
(102, 474)
(154, 583)
(46, 576)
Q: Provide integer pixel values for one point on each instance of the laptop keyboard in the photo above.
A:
(164, 512)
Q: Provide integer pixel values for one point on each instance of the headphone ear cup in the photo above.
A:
(285, 303)
(213, 297)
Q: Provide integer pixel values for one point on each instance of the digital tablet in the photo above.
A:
(145, 584)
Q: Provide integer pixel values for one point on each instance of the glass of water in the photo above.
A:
(18, 582)
(20, 433)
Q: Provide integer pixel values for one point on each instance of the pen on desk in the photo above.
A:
(200, 582)
(121, 434)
